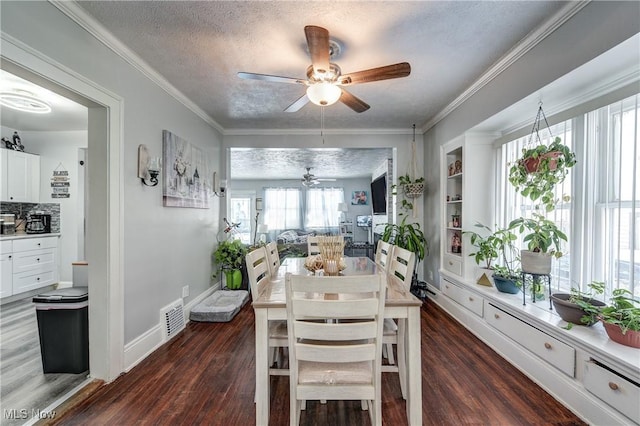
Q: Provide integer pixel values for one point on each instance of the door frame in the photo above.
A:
(104, 243)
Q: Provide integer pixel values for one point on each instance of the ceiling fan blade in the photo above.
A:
(325, 179)
(271, 78)
(356, 104)
(402, 69)
(299, 103)
(318, 42)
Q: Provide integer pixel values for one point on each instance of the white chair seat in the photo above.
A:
(334, 373)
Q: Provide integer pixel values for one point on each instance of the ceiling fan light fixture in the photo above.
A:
(324, 93)
(24, 101)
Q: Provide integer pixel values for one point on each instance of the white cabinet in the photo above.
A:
(612, 388)
(467, 174)
(20, 180)
(6, 268)
(346, 230)
(28, 264)
(464, 297)
(552, 350)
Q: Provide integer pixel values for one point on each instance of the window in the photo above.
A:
(322, 207)
(282, 207)
(601, 219)
(240, 212)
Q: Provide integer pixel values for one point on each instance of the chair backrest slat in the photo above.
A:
(383, 254)
(274, 258)
(402, 265)
(257, 269)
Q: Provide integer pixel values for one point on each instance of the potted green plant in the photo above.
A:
(621, 319)
(506, 275)
(569, 306)
(229, 256)
(408, 236)
(540, 169)
(486, 251)
(543, 238)
(412, 187)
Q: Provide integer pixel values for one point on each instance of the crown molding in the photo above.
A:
(520, 49)
(314, 132)
(97, 30)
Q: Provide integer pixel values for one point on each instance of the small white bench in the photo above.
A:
(221, 306)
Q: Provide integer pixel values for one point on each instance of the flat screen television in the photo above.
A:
(364, 221)
(379, 195)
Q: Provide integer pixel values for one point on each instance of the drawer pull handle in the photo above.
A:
(450, 263)
(496, 316)
(547, 345)
(613, 386)
(38, 259)
(470, 299)
(9, 257)
(38, 279)
(446, 286)
(38, 243)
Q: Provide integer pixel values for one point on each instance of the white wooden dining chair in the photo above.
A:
(401, 266)
(258, 272)
(383, 254)
(273, 257)
(312, 245)
(333, 360)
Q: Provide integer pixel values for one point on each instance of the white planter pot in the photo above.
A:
(535, 263)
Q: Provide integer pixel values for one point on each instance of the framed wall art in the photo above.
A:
(359, 198)
(187, 179)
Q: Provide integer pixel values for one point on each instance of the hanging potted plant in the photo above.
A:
(229, 255)
(411, 188)
(541, 167)
(543, 238)
(621, 319)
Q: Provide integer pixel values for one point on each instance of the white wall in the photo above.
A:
(164, 248)
(596, 28)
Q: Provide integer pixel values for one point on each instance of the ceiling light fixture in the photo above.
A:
(323, 93)
(24, 101)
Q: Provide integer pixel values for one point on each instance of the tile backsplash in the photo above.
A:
(22, 210)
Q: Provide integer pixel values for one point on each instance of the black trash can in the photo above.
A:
(63, 328)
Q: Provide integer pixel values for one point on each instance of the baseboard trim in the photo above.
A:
(144, 345)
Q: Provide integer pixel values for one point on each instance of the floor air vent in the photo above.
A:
(172, 319)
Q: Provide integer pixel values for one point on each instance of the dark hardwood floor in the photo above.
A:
(205, 376)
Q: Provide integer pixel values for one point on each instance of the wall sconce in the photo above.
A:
(219, 186)
(148, 167)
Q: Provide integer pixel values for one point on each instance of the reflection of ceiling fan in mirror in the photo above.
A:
(325, 82)
(310, 180)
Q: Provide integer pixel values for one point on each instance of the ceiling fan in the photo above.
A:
(310, 180)
(325, 82)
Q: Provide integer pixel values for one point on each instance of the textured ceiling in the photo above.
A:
(199, 47)
(281, 163)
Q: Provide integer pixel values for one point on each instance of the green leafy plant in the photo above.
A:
(408, 236)
(491, 246)
(405, 181)
(230, 254)
(623, 311)
(540, 169)
(541, 235)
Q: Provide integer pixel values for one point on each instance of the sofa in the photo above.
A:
(293, 242)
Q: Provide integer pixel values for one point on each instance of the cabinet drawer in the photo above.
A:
(555, 352)
(464, 297)
(453, 264)
(6, 247)
(35, 243)
(30, 281)
(616, 391)
(34, 260)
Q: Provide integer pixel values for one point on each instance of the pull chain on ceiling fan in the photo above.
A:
(325, 82)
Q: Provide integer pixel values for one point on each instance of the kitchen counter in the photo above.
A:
(23, 236)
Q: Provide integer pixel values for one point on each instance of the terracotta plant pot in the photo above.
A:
(571, 312)
(506, 285)
(531, 164)
(630, 338)
(535, 263)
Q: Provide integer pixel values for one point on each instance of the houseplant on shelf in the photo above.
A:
(506, 275)
(543, 238)
(621, 319)
(540, 169)
(570, 305)
(486, 251)
(229, 256)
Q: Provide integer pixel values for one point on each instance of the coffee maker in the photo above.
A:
(39, 223)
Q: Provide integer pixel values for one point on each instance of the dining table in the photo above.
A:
(270, 304)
